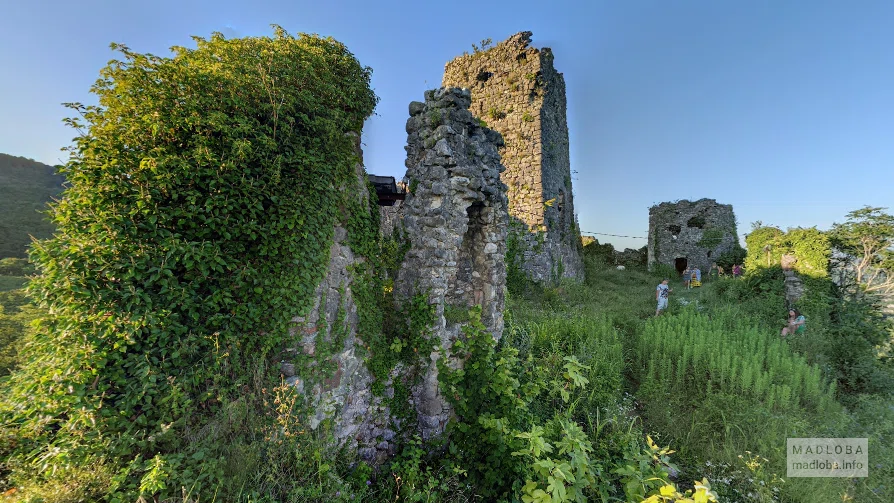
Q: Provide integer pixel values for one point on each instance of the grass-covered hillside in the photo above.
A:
(26, 186)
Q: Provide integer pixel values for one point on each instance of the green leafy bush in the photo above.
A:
(604, 252)
(203, 196)
(731, 257)
(490, 402)
(811, 248)
(858, 329)
(562, 471)
(765, 248)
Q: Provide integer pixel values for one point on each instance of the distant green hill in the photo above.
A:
(26, 186)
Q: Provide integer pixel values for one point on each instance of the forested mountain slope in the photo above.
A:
(26, 186)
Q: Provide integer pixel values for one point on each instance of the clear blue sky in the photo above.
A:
(783, 109)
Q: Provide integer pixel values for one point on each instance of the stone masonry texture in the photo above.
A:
(698, 232)
(360, 420)
(456, 219)
(516, 91)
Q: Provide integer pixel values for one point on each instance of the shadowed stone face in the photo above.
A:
(456, 221)
(360, 420)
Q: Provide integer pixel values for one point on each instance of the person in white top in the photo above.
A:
(661, 295)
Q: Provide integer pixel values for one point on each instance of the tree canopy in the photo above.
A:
(866, 240)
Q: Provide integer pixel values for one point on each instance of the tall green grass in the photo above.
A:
(725, 390)
(595, 342)
(708, 354)
(727, 396)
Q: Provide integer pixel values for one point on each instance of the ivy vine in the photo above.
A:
(202, 200)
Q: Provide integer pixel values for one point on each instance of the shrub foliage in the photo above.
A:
(810, 247)
(707, 355)
(204, 189)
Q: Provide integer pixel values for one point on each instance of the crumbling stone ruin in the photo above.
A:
(794, 285)
(360, 419)
(690, 234)
(516, 91)
(456, 219)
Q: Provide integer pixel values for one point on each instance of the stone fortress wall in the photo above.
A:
(516, 91)
(360, 420)
(456, 219)
(693, 233)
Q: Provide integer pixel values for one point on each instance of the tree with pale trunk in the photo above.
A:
(865, 243)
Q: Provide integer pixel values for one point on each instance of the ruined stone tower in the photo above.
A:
(455, 218)
(516, 91)
(691, 234)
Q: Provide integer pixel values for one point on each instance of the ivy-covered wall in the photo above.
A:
(806, 251)
(326, 359)
(203, 201)
(802, 254)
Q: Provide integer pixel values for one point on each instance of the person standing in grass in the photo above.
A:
(661, 295)
(687, 276)
(714, 271)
